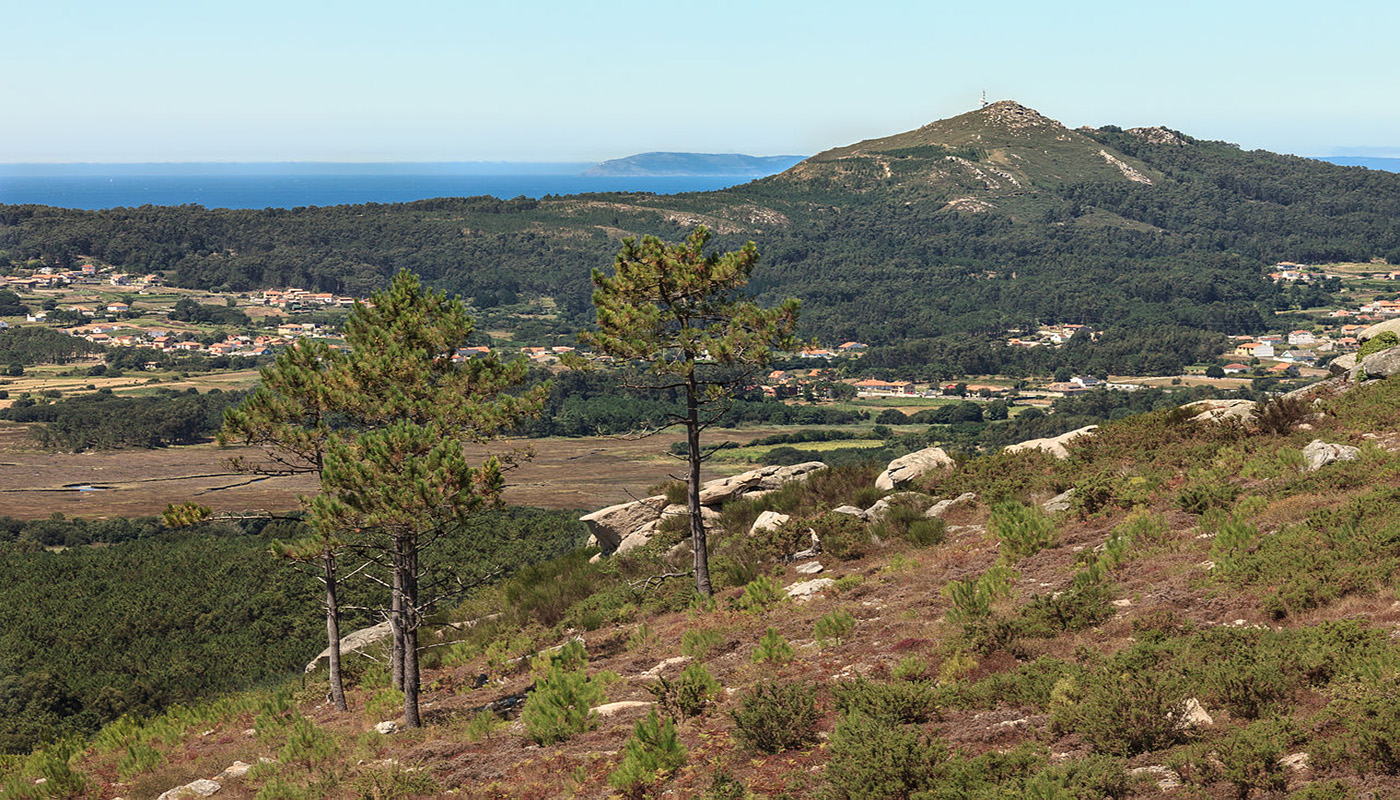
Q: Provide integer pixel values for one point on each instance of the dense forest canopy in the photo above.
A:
(995, 219)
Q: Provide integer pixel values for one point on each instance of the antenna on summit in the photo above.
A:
(984, 98)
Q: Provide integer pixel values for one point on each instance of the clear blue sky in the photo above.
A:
(463, 80)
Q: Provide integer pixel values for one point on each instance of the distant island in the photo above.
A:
(677, 164)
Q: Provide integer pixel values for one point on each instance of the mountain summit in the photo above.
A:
(981, 157)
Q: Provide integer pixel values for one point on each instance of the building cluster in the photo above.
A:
(117, 335)
(1047, 336)
(89, 274)
(294, 299)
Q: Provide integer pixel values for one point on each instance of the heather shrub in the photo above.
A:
(872, 759)
(842, 535)
(892, 703)
(777, 716)
(688, 694)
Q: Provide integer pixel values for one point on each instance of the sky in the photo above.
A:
(540, 80)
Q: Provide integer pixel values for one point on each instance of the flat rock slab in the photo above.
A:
(1054, 445)
(655, 672)
(943, 506)
(199, 788)
(907, 468)
(1319, 454)
(810, 568)
(609, 709)
(804, 590)
(354, 642)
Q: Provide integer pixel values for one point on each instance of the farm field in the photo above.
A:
(585, 473)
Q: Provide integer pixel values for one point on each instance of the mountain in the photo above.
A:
(665, 164)
(997, 218)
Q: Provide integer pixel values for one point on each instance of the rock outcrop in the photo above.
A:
(1224, 412)
(627, 526)
(1054, 445)
(1382, 364)
(943, 506)
(906, 468)
(607, 527)
(1319, 454)
(1391, 325)
(355, 642)
(199, 788)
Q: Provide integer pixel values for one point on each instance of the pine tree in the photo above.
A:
(291, 416)
(404, 478)
(683, 311)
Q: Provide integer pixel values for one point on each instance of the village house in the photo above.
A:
(1301, 337)
(871, 386)
(1235, 369)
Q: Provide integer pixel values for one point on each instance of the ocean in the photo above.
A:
(98, 191)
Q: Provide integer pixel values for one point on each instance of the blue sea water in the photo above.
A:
(97, 191)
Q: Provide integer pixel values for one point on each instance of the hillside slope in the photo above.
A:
(1208, 613)
(993, 219)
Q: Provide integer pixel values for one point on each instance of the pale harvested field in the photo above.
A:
(565, 473)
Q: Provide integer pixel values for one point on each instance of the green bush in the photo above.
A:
(892, 703)
(1381, 341)
(543, 593)
(835, 625)
(1249, 757)
(688, 694)
(699, 643)
(777, 716)
(842, 535)
(772, 649)
(1022, 530)
(761, 594)
(1128, 706)
(872, 759)
(653, 752)
(562, 702)
(972, 598)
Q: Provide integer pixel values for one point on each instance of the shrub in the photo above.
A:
(307, 745)
(776, 717)
(139, 757)
(1205, 494)
(772, 649)
(871, 759)
(1022, 530)
(649, 756)
(1125, 709)
(1233, 537)
(724, 786)
(842, 535)
(699, 643)
(910, 668)
(688, 694)
(543, 593)
(481, 726)
(761, 594)
(1281, 414)
(1381, 341)
(561, 704)
(891, 703)
(641, 637)
(972, 598)
(1249, 757)
(833, 625)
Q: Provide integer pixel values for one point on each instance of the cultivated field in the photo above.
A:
(564, 473)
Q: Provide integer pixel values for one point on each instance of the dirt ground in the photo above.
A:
(565, 473)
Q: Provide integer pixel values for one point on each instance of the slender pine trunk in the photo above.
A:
(333, 632)
(697, 521)
(396, 618)
(412, 618)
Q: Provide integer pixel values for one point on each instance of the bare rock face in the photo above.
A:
(1319, 454)
(1060, 502)
(804, 590)
(609, 709)
(768, 520)
(1054, 445)
(937, 510)
(1392, 325)
(1194, 716)
(1382, 364)
(907, 468)
(354, 642)
(766, 478)
(609, 526)
(386, 727)
(1224, 412)
(199, 788)
(1157, 135)
(849, 510)
(1343, 364)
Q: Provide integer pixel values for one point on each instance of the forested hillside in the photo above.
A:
(997, 218)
